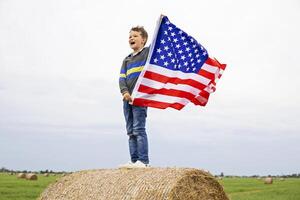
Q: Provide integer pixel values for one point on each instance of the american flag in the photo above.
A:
(178, 71)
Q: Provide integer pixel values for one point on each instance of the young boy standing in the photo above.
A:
(135, 116)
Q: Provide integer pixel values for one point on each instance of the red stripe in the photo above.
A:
(215, 62)
(156, 104)
(166, 79)
(206, 74)
(168, 92)
(202, 99)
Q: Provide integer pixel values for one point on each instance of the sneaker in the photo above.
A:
(139, 164)
(127, 165)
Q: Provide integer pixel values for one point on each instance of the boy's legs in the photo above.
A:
(139, 130)
(132, 141)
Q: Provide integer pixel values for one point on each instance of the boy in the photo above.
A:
(135, 116)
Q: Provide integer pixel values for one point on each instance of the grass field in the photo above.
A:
(254, 189)
(12, 188)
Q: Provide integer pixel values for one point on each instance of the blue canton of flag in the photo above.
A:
(176, 50)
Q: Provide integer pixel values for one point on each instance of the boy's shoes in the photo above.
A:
(127, 165)
(137, 164)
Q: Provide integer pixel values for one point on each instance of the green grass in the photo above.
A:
(254, 189)
(12, 188)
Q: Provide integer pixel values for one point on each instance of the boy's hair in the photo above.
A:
(143, 32)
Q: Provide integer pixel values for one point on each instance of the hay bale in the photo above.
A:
(46, 174)
(268, 180)
(31, 176)
(136, 184)
(21, 175)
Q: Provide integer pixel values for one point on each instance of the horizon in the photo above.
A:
(61, 107)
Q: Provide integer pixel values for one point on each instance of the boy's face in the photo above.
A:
(136, 42)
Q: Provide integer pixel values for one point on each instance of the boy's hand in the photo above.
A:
(127, 97)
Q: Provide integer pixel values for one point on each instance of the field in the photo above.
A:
(12, 188)
(254, 189)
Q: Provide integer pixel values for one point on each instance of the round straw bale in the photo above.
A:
(46, 174)
(21, 175)
(268, 180)
(136, 184)
(31, 176)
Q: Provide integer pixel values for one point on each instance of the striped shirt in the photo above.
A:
(131, 69)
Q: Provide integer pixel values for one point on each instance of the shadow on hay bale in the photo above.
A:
(31, 177)
(21, 175)
(268, 180)
(136, 184)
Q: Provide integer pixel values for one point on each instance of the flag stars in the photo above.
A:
(176, 50)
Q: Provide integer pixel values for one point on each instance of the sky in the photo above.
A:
(61, 109)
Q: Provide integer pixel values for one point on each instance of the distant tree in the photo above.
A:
(222, 174)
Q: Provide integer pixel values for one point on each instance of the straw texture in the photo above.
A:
(136, 184)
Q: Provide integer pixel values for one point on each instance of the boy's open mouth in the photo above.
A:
(133, 42)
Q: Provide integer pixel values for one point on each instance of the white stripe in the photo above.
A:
(159, 85)
(210, 68)
(162, 98)
(178, 74)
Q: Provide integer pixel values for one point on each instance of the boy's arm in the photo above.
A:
(122, 83)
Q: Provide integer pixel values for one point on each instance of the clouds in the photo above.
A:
(59, 66)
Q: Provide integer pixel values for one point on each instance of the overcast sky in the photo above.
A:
(60, 107)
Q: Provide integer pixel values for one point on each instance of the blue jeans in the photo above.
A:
(135, 117)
